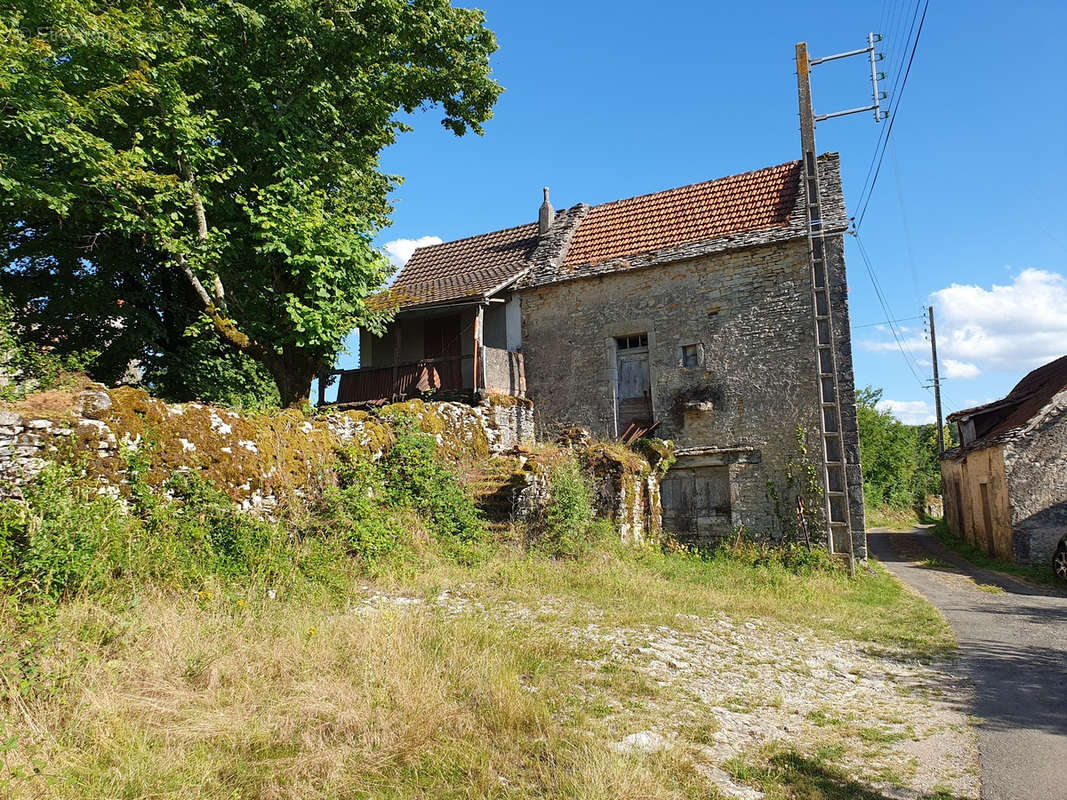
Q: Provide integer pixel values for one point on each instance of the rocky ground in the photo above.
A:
(728, 692)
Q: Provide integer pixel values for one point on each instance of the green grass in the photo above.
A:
(891, 517)
(185, 651)
(1040, 575)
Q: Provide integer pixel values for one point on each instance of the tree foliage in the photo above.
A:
(900, 462)
(232, 144)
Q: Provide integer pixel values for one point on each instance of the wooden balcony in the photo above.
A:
(499, 371)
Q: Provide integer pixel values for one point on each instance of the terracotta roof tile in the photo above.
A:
(466, 267)
(699, 212)
(765, 199)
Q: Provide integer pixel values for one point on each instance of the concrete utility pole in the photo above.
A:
(836, 494)
(937, 387)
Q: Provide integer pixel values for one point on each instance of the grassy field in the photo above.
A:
(379, 642)
(226, 693)
(896, 519)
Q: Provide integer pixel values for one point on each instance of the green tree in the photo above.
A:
(900, 462)
(234, 144)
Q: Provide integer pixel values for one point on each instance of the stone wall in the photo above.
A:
(1036, 465)
(257, 459)
(749, 312)
(263, 460)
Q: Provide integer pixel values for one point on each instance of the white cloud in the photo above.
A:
(960, 369)
(1020, 325)
(911, 339)
(400, 250)
(910, 412)
(1006, 328)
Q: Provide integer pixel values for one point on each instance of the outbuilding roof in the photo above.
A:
(997, 420)
(751, 208)
(465, 268)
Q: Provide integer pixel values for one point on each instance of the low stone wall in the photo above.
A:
(256, 459)
(260, 460)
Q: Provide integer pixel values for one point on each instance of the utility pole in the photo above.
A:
(835, 484)
(937, 387)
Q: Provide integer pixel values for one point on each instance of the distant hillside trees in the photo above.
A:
(900, 462)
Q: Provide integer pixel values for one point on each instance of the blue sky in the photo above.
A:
(611, 99)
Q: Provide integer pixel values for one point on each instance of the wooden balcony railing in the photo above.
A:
(501, 371)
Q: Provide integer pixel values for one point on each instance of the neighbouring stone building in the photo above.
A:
(686, 313)
(1005, 486)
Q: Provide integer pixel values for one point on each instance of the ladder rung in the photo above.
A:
(834, 493)
(838, 524)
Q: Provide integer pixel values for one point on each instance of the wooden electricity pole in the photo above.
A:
(937, 387)
(837, 494)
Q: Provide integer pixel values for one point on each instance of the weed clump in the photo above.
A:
(791, 557)
(567, 526)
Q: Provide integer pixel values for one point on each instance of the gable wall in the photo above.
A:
(1036, 468)
(749, 310)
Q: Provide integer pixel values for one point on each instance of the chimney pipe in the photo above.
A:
(545, 215)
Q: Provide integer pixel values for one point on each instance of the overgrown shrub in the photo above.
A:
(413, 476)
(566, 527)
(791, 557)
(60, 539)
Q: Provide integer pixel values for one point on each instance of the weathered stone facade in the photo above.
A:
(1009, 498)
(739, 410)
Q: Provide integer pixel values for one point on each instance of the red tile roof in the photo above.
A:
(699, 212)
(465, 268)
(765, 199)
(1030, 395)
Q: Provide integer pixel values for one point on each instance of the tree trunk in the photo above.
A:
(292, 375)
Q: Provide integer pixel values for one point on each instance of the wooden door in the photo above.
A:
(633, 392)
(696, 503)
(987, 519)
(441, 337)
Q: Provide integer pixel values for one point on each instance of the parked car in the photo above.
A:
(1059, 561)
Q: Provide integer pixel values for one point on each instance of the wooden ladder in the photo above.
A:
(834, 471)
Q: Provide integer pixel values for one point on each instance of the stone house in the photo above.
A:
(690, 310)
(1005, 486)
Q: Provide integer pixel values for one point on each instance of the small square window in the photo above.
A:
(690, 355)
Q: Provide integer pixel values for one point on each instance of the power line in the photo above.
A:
(892, 117)
(886, 321)
(885, 307)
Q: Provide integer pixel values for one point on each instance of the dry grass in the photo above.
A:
(51, 403)
(232, 694)
(181, 698)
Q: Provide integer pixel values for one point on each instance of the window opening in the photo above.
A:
(631, 342)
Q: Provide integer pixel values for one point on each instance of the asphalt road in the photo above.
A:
(1014, 646)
